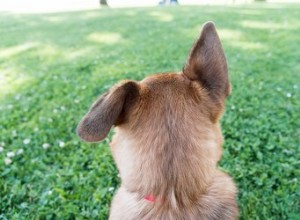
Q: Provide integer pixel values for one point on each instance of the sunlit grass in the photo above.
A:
(264, 25)
(162, 16)
(106, 38)
(7, 53)
(233, 35)
(53, 66)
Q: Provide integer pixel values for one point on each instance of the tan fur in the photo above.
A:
(168, 139)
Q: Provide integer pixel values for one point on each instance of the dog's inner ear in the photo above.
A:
(207, 63)
(110, 109)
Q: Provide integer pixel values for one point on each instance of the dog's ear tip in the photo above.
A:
(80, 133)
(209, 24)
(209, 27)
(86, 136)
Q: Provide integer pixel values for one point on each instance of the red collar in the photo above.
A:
(150, 198)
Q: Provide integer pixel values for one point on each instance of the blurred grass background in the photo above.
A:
(53, 66)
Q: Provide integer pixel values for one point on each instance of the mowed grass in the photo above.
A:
(53, 66)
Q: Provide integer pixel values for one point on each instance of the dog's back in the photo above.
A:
(168, 139)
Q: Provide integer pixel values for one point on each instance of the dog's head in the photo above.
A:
(166, 101)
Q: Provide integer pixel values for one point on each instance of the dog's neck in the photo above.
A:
(165, 167)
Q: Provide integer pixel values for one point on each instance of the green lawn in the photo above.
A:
(53, 66)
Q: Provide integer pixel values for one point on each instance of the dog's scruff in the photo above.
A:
(168, 139)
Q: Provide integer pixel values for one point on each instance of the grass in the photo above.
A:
(53, 66)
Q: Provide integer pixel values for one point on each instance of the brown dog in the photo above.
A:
(168, 139)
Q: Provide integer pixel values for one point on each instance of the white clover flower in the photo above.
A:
(14, 133)
(62, 108)
(76, 101)
(26, 141)
(55, 111)
(10, 106)
(50, 120)
(61, 144)
(36, 129)
(10, 154)
(2, 144)
(295, 86)
(46, 145)
(19, 152)
(111, 189)
(7, 161)
(289, 95)
(17, 97)
(1, 149)
(232, 107)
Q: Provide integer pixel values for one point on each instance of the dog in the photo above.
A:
(168, 140)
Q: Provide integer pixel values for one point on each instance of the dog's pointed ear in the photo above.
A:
(207, 63)
(110, 109)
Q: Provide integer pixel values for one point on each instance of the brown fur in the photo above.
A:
(168, 139)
